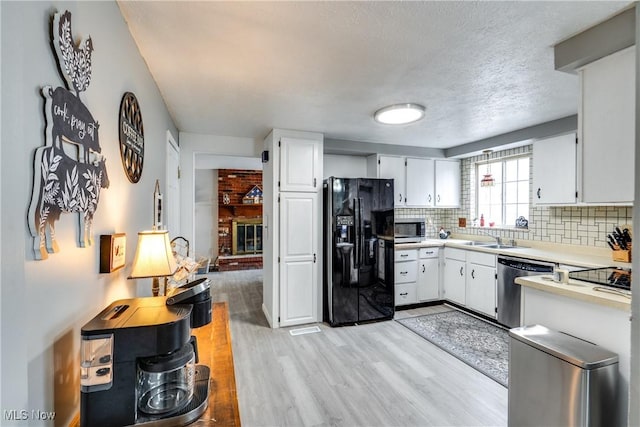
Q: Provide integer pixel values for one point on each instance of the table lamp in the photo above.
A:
(154, 258)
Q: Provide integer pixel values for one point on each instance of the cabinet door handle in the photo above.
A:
(404, 255)
(404, 294)
(314, 182)
(429, 199)
(403, 273)
(438, 199)
(473, 274)
(461, 271)
(538, 192)
(400, 199)
(423, 268)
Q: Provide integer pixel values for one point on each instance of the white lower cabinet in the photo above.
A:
(470, 280)
(417, 275)
(405, 274)
(481, 283)
(428, 283)
(405, 293)
(454, 276)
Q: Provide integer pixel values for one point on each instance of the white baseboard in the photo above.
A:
(269, 320)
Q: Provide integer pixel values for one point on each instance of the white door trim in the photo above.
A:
(172, 189)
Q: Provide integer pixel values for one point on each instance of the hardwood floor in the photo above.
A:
(378, 374)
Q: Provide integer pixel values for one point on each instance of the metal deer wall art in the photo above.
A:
(69, 170)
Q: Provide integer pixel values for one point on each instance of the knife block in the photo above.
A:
(622, 255)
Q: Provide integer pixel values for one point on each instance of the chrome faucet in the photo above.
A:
(498, 238)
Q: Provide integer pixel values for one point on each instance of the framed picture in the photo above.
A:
(112, 252)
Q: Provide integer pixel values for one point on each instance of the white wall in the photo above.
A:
(1, 222)
(214, 161)
(205, 213)
(45, 303)
(634, 408)
(270, 232)
(345, 166)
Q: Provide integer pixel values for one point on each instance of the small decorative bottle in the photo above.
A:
(482, 220)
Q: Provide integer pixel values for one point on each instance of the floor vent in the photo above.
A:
(303, 331)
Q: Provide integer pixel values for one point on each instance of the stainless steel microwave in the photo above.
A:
(409, 230)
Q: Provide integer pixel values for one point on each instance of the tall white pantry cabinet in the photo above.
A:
(292, 225)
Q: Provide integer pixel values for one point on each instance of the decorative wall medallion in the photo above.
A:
(131, 137)
(69, 170)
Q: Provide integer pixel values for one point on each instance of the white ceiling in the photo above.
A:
(242, 68)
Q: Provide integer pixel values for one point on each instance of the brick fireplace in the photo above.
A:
(239, 219)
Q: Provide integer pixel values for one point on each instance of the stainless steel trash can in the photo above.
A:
(556, 379)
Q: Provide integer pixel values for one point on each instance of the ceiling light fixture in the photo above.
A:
(399, 114)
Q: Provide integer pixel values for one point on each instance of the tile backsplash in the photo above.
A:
(585, 226)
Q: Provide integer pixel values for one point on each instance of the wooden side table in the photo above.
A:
(214, 350)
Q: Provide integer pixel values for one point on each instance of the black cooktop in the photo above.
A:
(608, 276)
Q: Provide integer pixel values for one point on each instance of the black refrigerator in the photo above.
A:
(358, 274)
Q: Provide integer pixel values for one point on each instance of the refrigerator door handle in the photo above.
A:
(356, 226)
(361, 233)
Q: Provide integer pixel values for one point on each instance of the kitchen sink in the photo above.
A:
(472, 243)
(490, 245)
(499, 246)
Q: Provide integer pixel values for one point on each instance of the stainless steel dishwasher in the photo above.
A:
(509, 294)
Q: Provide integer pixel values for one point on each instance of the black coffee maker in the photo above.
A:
(138, 361)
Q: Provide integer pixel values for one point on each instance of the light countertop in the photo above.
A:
(577, 289)
(560, 254)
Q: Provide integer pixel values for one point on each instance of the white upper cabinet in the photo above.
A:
(420, 182)
(299, 165)
(606, 129)
(394, 168)
(554, 170)
(447, 183)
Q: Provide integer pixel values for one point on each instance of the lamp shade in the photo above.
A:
(153, 255)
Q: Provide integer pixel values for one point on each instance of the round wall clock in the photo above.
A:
(131, 137)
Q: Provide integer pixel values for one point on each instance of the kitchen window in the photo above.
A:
(508, 198)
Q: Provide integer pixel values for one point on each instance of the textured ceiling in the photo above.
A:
(242, 68)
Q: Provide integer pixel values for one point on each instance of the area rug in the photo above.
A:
(477, 343)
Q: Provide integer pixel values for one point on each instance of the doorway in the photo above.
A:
(239, 222)
(214, 228)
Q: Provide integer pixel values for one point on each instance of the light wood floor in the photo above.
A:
(379, 374)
